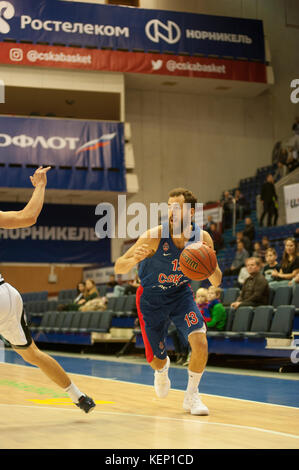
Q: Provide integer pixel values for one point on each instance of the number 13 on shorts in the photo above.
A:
(191, 319)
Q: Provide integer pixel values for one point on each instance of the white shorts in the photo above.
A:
(13, 324)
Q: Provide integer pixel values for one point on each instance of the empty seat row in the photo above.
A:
(31, 296)
(34, 307)
(259, 322)
(74, 322)
(124, 305)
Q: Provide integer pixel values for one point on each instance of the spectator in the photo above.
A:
(227, 204)
(294, 281)
(202, 302)
(91, 292)
(280, 172)
(249, 230)
(73, 305)
(271, 260)
(132, 286)
(210, 221)
(216, 236)
(269, 199)
(255, 290)
(293, 142)
(112, 283)
(257, 250)
(289, 265)
(241, 205)
(238, 261)
(217, 311)
(265, 246)
(240, 237)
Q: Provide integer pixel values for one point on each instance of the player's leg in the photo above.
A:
(189, 321)
(15, 330)
(154, 326)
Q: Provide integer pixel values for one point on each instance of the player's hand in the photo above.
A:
(39, 177)
(141, 252)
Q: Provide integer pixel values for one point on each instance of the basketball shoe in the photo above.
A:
(162, 382)
(193, 403)
(86, 403)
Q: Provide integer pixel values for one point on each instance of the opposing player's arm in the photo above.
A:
(216, 277)
(28, 216)
(145, 246)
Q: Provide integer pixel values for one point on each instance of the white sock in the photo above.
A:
(166, 367)
(193, 381)
(74, 392)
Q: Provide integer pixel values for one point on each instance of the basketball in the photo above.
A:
(198, 261)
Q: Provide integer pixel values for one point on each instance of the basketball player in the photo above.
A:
(13, 325)
(165, 294)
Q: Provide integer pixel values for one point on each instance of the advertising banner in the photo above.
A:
(291, 198)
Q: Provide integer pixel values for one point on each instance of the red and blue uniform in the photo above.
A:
(165, 295)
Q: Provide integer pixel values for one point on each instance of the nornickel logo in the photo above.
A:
(7, 11)
(156, 30)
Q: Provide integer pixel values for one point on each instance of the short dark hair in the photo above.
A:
(188, 195)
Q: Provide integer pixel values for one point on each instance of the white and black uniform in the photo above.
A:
(13, 323)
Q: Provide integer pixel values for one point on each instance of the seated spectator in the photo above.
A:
(210, 221)
(201, 300)
(217, 311)
(289, 265)
(247, 243)
(241, 205)
(91, 292)
(255, 290)
(73, 305)
(239, 260)
(265, 244)
(132, 286)
(112, 283)
(271, 260)
(216, 237)
(227, 204)
(280, 172)
(294, 281)
(257, 250)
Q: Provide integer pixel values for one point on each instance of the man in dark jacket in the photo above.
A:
(255, 290)
(269, 198)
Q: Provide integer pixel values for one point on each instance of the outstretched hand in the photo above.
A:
(39, 177)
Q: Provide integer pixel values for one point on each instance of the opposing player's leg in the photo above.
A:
(154, 326)
(189, 321)
(53, 370)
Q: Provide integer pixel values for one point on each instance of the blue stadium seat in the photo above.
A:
(261, 321)
(282, 322)
(282, 296)
(241, 323)
(230, 295)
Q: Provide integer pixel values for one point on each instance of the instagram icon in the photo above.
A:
(16, 54)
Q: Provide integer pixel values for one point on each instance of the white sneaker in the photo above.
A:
(193, 403)
(162, 382)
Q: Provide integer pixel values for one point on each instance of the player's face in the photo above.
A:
(177, 213)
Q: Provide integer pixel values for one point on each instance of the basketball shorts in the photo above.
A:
(156, 311)
(13, 323)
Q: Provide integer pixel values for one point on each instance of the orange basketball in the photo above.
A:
(198, 261)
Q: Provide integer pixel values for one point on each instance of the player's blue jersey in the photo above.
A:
(161, 272)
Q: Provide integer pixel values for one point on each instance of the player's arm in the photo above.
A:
(28, 216)
(145, 246)
(216, 277)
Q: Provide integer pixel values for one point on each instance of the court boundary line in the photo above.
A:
(175, 389)
(165, 418)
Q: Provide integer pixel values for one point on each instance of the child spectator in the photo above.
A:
(257, 251)
(271, 260)
(217, 311)
(202, 302)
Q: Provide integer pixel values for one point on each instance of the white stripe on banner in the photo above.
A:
(291, 198)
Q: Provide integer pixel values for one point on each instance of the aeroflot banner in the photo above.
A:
(132, 29)
(85, 155)
(63, 234)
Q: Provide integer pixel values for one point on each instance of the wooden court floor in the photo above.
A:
(35, 414)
